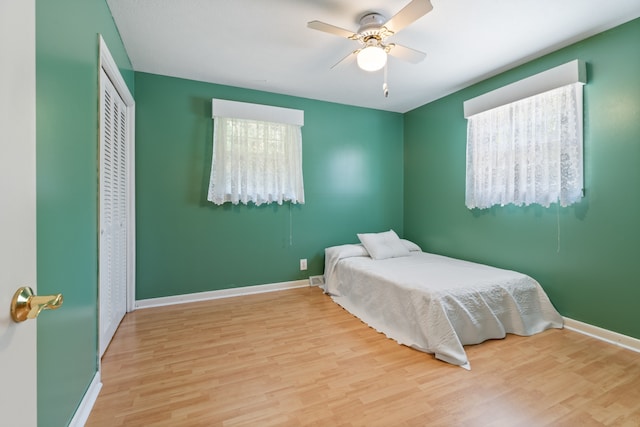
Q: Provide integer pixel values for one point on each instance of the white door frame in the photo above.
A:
(109, 66)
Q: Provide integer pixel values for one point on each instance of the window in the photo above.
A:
(529, 150)
(257, 154)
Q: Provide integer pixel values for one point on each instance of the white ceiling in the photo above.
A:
(266, 45)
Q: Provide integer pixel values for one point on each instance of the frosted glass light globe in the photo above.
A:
(372, 58)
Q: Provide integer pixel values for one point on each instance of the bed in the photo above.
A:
(433, 303)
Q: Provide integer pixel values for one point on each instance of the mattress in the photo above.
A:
(434, 303)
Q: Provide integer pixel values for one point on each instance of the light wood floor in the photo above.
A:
(295, 358)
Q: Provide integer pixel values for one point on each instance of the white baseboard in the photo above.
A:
(223, 293)
(603, 334)
(86, 405)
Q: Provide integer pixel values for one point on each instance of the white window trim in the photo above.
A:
(572, 72)
(259, 112)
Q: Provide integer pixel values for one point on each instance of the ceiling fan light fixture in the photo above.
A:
(372, 58)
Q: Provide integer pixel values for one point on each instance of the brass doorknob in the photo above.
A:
(25, 305)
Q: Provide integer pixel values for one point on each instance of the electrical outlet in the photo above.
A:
(303, 264)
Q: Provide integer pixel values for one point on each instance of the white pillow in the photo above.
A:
(345, 251)
(383, 245)
(412, 247)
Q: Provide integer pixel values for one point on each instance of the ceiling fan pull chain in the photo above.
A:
(385, 87)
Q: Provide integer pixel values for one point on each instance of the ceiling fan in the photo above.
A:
(372, 34)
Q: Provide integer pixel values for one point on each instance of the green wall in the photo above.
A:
(586, 255)
(67, 183)
(352, 162)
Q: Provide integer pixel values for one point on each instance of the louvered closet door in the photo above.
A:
(113, 211)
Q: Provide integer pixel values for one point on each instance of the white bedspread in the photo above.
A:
(437, 304)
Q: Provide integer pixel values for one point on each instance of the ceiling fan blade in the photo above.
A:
(406, 53)
(331, 29)
(349, 56)
(410, 13)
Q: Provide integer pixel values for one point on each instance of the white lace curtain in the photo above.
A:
(255, 161)
(529, 151)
